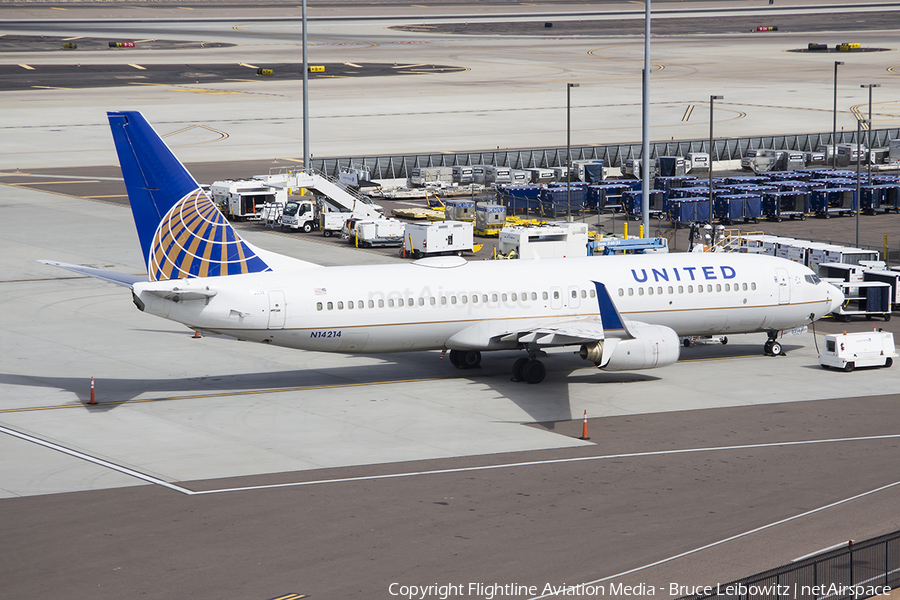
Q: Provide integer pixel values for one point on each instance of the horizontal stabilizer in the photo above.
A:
(123, 279)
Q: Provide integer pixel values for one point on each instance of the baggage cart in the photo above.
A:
(778, 205)
(892, 278)
(632, 199)
(683, 211)
(519, 199)
(879, 197)
(864, 298)
(603, 196)
(561, 200)
(826, 202)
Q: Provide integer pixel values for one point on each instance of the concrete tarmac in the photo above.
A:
(212, 468)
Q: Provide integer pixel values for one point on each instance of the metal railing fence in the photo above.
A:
(398, 165)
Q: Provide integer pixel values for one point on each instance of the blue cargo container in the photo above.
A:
(683, 211)
(791, 204)
(829, 201)
(667, 184)
(519, 198)
(632, 199)
(605, 196)
(556, 201)
(880, 197)
(733, 207)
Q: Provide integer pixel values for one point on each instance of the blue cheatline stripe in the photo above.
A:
(608, 313)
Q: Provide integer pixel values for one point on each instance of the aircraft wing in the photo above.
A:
(565, 333)
(123, 279)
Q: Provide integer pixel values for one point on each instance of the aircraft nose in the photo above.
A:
(837, 297)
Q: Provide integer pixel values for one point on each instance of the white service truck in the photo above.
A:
(863, 349)
(300, 214)
(438, 237)
(245, 199)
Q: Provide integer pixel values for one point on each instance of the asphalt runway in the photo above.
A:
(212, 468)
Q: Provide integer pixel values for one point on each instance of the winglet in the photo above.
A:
(609, 315)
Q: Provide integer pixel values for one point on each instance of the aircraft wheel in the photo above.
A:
(724, 340)
(471, 359)
(534, 371)
(454, 359)
(888, 362)
(775, 349)
(767, 348)
(687, 342)
(849, 367)
(307, 227)
(518, 369)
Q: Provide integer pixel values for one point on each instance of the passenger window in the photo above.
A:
(493, 297)
(485, 299)
(709, 288)
(381, 304)
(391, 303)
(400, 302)
(680, 289)
(433, 300)
(371, 304)
(727, 287)
(545, 295)
(515, 297)
(631, 291)
(671, 290)
(583, 294)
(340, 306)
(443, 300)
(350, 304)
(621, 292)
(753, 285)
(650, 291)
(331, 306)
(718, 287)
(474, 298)
(534, 295)
(464, 298)
(640, 291)
(452, 299)
(592, 294)
(318, 306)
(503, 297)
(745, 287)
(409, 302)
(421, 301)
(699, 289)
(659, 290)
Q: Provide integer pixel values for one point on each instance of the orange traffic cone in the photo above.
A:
(584, 435)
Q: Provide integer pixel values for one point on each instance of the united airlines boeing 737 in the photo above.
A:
(623, 312)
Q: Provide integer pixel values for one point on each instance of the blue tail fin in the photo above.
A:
(182, 232)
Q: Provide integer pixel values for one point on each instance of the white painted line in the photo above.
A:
(27, 67)
(69, 39)
(822, 551)
(95, 460)
(354, 65)
(548, 462)
(249, 66)
(730, 539)
(409, 66)
(138, 67)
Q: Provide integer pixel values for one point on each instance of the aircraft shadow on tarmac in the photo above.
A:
(547, 401)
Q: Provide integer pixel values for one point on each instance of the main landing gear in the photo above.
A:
(772, 347)
(529, 369)
(465, 359)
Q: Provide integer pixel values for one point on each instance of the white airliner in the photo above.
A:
(624, 312)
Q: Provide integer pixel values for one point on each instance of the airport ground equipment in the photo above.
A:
(848, 351)
(608, 246)
(607, 195)
(671, 166)
(890, 277)
(829, 253)
(489, 219)
(632, 199)
(540, 176)
(462, 175)
(777, 160)
(589, 171)
(864, 298)
(826, 202)
(519, 198)
(459, 210)
(738, 207)
(332, 195)
(430, 176)
(780, 205)
(884, 197)
(683, 211)
(438, 238)
(696, 161)
(551, 240)
(559, 200)
(669, 183)
(244, 199)
(300, 214)
(368, 233)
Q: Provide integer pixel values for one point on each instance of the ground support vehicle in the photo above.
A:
(437, 238)
(848, 351)
(884, 197)
(551, 240)
(368, 233)
(244, 199)
(300, 214)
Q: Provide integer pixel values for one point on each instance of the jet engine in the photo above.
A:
(652, 346)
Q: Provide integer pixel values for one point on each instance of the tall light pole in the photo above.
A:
(306, 162)
(645, 125)
(869, 136)
(834, 124)
(569, 87)
(711, 102)
(859, 123)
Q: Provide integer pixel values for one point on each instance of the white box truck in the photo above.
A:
(848, 351)
(437, 238)
(245, 199)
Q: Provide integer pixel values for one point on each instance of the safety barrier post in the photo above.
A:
(93, 400)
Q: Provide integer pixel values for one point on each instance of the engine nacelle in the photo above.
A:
(652, 346)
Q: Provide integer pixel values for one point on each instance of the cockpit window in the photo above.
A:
(813, 279)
